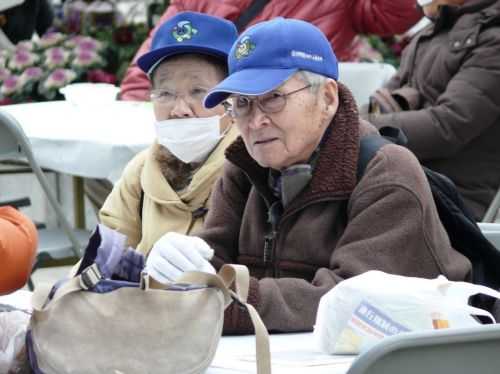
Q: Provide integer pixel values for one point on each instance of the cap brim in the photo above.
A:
(247, 82)
(149, 60)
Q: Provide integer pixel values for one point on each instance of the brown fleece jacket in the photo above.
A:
(334, 229)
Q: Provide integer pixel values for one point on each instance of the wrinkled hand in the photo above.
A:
(174, 253)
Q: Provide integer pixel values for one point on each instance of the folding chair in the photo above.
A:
(493, 209)
(492, 232)
(447, 351)
(56, 246)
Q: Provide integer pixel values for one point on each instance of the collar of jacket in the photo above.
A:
(334, 175)
(159, 190)
(449, 15)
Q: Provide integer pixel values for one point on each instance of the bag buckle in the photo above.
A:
(90, 277)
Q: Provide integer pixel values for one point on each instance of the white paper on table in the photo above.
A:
(303, 359)
(287, 360)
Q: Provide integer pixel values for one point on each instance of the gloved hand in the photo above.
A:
(174, 253)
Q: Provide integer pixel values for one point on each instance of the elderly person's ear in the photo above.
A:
(330, 95)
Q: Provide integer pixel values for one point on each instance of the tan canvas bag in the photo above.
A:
(136, 328)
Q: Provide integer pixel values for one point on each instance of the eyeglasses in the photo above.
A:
(167, 97)
(273, 102)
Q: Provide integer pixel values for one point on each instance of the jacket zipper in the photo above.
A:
(274, 212)
(271, 239)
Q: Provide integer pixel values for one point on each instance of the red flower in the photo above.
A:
(123, 35)
(6, 101)
(100, 76)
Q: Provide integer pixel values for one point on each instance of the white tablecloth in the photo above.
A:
(86, 141)
(290, 354)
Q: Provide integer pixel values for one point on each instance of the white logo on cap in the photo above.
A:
(306, 56)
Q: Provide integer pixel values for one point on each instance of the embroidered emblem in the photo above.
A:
(183, 31)
(244, 48)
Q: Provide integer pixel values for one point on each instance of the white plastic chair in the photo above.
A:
(447, 351)
(54, 244)
(364, 78)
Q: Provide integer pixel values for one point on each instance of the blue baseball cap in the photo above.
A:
(189, 32)
(269, 53)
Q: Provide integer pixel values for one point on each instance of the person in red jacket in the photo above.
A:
(18, 244)
(341, 21)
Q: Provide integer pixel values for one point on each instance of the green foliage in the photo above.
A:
(388, 48)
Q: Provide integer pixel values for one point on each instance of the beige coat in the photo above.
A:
(163, 209)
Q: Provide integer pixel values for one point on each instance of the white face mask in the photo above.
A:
(189, 139)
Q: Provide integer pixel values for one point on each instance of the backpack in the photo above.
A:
(463, 231)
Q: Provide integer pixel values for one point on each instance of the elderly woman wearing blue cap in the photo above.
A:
(166, 187)
(289, 204)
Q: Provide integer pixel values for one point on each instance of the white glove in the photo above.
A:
(174, 253)
(424, 2)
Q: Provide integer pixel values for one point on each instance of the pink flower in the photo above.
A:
(51, 38)
(26, 45)
(10, 85)
(58, 78)
(83, 43)
(73, 41)
(86, 58)
(31, 74)
(56, 57)
(88, 44)
(4, 73)
(22, 59)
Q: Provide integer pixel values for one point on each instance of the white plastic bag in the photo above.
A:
(360, 311)
(15, 312)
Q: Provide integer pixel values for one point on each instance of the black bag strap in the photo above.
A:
(463, 231)
(249, 14)
(370, 144)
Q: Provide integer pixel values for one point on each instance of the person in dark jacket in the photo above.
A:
(289, 205)
(21, 21)
(445, 97)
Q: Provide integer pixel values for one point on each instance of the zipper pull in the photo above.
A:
(269, 246)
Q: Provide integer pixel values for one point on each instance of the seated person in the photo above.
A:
(289, 205)
(18, 244)
(445, 97)
(341, 21)
(167, 186)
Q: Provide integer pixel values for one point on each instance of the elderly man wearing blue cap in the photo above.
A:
(166, 187)
(289, 204)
